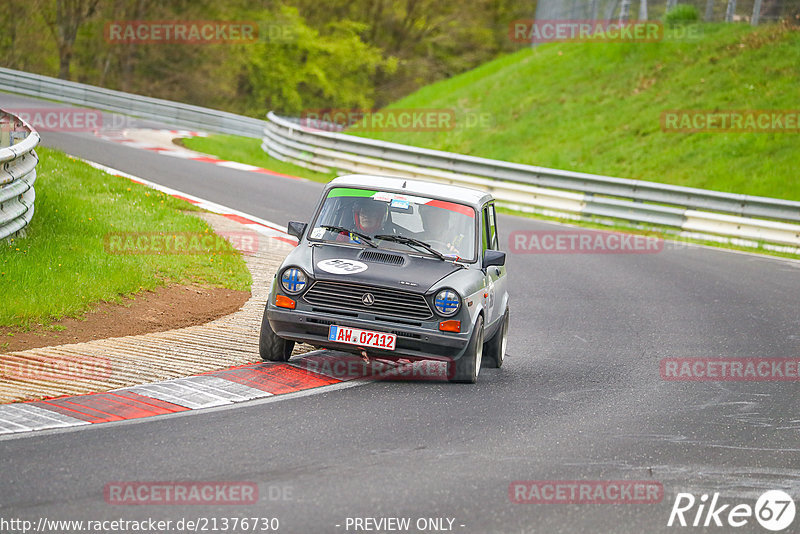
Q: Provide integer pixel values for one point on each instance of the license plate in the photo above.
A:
(362, 338)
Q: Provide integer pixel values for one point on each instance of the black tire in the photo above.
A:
(271, 347)
(468, 366)
(495, 349)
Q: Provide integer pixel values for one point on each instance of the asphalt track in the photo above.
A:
(580, 398)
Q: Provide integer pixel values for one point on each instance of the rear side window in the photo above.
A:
(491, 228)
(489, 233)
(485, 228)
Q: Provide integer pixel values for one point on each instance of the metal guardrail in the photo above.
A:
(17, 173)
(174, 113)
(539, 189)
(527, 187)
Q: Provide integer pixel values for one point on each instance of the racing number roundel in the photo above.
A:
(337, 266)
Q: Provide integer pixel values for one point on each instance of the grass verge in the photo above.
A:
(248, 150)
(61, 267)
(596, 107)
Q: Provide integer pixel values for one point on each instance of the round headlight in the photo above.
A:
(447, 302)
(293, 280)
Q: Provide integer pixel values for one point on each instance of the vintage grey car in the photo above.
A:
(394, 268)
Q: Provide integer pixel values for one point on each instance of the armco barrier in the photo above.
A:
(549, 191)
(17, 173)
(173, 113)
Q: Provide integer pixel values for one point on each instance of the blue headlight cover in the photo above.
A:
(447, 302)
(293, 280)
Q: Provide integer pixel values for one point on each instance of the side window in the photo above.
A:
(493, 238)
(485, 228)
(491, 228)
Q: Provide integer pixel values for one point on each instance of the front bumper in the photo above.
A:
(412, 341)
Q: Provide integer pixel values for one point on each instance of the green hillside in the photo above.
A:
(596, 107)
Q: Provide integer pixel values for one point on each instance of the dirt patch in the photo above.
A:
(166, 308)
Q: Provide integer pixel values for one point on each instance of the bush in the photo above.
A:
(682, 14)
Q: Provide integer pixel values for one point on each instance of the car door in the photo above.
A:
(495, 276)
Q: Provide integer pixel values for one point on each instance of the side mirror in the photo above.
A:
(296, 229)
(494, 257)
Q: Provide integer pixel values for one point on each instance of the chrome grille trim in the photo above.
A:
(388, 302)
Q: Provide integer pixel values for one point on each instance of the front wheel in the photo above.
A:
(469, 365)
(271, 347)
(496, 346)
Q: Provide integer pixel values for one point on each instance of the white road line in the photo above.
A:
(238, 166)
(177, 154)
(255, 402)
(180, 394)
(24, 417)
(227, 389)
(277, 230)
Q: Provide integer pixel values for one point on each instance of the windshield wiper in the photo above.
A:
(411, 242)
(367, 239)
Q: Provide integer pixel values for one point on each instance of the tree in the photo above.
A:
(312, 70)
(709, 10)
(731, 11)
(756, 13)
(624, 11)
(64, 19)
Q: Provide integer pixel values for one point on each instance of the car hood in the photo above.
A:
(376, 266)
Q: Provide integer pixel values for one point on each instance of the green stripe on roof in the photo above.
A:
(349, 192)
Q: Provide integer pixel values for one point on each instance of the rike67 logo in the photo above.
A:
(774, 510)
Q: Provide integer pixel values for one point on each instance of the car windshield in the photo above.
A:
(448, 227)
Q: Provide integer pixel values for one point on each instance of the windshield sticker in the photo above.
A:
(381, 196)
(317, 233)
(452, 206)
(337, 266)
(400, 204)
(384, 196)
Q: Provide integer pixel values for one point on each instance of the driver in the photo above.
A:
(370, 218)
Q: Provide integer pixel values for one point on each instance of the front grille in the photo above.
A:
(347, 297)
(396, 320)
(319, 321)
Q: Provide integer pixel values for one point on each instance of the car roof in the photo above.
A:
(463, 195)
